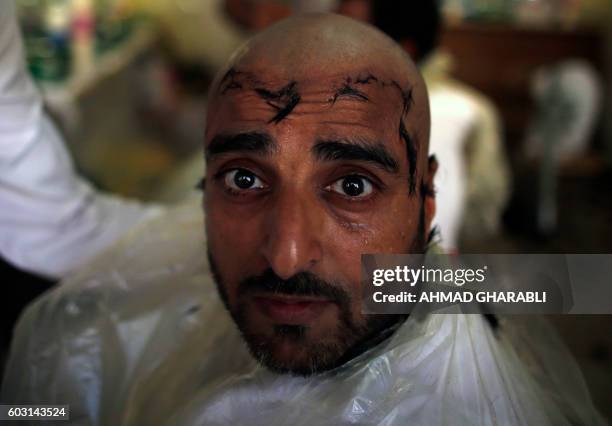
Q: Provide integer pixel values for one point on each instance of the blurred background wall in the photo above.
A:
(127, 81)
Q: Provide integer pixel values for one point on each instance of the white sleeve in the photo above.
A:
(51, 220)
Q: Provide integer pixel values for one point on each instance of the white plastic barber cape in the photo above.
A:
(140, 337)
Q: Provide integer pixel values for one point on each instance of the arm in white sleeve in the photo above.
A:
(51, 220)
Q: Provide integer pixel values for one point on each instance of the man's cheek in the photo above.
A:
(346, 248)
(234, 244)
(231, 232)
(343, 260)
(220, 240)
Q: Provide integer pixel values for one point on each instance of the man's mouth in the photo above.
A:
(292, 310)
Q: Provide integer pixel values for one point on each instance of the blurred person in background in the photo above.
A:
(473, 182)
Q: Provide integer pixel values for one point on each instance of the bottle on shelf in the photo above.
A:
(46, 25)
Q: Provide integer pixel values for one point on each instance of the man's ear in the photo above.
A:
(429, 193)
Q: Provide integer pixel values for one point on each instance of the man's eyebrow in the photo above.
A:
(253, 142)
(357, 150)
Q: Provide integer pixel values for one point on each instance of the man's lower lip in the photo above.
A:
(291, 312)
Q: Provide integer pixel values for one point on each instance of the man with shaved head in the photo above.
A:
(317, 152)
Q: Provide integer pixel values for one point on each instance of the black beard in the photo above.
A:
(351, 339)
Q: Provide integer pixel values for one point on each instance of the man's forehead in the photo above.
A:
(365, 97)
(342, 80)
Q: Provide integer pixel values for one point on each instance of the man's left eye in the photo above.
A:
(352, 186)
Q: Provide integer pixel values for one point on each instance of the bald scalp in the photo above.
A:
(327, 47)
(321, 40)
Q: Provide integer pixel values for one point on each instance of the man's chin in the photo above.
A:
(296, 347)
(305, 350)
(287, 355)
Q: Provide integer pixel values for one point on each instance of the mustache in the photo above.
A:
(301, 284)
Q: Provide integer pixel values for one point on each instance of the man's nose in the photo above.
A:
(293, 230)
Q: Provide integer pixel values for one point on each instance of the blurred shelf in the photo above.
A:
(63, 95)
(521, 30)
(499, 60)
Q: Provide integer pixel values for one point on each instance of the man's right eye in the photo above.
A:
(242, 180)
